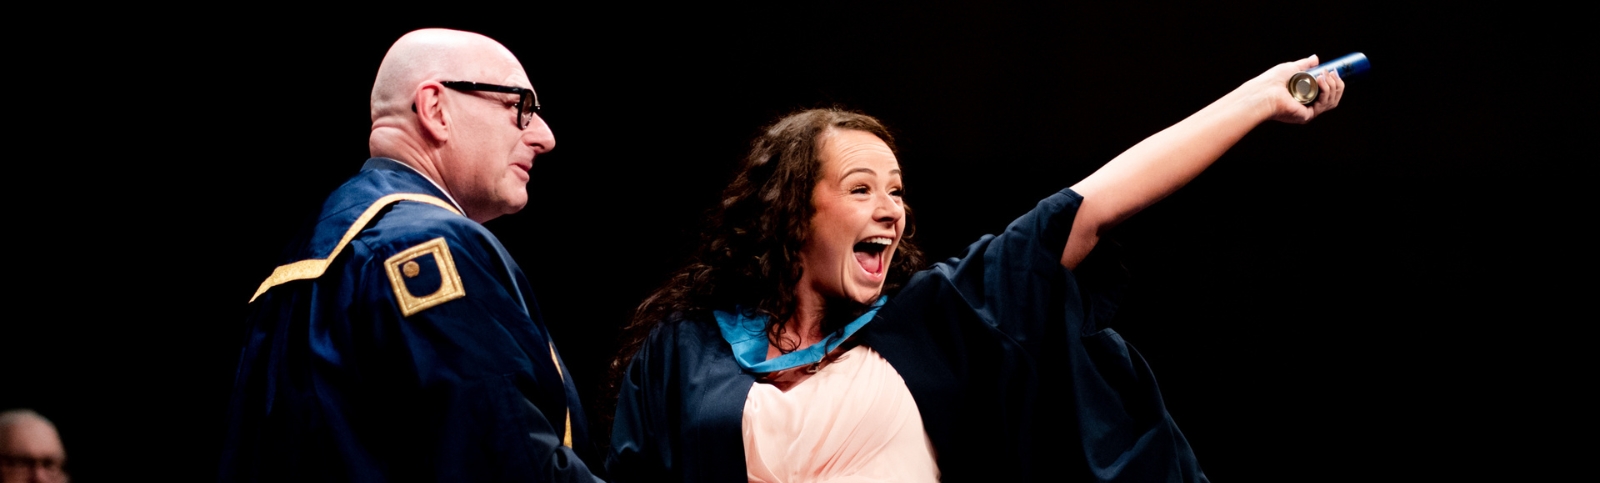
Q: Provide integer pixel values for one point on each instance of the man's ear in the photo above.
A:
(432, 120)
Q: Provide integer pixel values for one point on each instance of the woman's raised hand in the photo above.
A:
(1272, 85)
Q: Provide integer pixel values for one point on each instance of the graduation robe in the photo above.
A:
(1009, 357)
(400, 342)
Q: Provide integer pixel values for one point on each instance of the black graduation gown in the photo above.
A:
(1007, 354)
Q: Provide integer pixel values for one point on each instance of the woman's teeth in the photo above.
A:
(875, 244)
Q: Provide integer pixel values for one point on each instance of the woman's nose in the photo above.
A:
(889, 209)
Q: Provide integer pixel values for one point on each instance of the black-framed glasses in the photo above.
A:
(527, 105)
(12, 465)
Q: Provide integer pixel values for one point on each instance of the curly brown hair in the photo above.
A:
(749, 255)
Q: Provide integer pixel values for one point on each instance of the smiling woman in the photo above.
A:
(801, 344)
(809, 237)
(754, 251)
(858, 220)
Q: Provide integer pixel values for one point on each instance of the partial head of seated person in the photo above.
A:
(30, 449)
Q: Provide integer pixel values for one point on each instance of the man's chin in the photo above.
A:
(483, 216)
(516, 203)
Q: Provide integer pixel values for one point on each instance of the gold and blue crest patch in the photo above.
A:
(424, 276)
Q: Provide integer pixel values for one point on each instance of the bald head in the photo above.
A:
(432, 54)
(451, 104)
(29, 440)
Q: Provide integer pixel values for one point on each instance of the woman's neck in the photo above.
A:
(803, 328)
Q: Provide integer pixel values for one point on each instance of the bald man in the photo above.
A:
(30, 449)
(400, 341)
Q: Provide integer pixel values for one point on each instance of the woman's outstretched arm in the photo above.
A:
(1167, 160)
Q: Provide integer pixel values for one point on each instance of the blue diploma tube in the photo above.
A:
(1303, 85)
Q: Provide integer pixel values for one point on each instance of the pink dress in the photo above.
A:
(852, 421)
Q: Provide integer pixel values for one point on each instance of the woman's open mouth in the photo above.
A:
(870, 254)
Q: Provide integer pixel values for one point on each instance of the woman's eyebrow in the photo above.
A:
(867, 170)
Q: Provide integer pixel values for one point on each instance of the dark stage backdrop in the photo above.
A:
(1372, 294)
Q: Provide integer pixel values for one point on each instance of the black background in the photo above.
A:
(1380, 292)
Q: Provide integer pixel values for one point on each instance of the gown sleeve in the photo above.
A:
(679, 409)
(641, 448)
(482, 372)
(421, 359)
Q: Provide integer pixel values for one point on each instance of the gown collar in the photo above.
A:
(748, 336)
(392, 164)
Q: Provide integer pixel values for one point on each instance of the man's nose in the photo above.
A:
(539, 136)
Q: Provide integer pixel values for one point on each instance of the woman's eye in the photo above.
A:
(859, 190)
(897, 192)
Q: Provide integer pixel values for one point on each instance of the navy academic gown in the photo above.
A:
(400, 342)
(1007, 354)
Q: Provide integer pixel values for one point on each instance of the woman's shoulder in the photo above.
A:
(680, 332)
